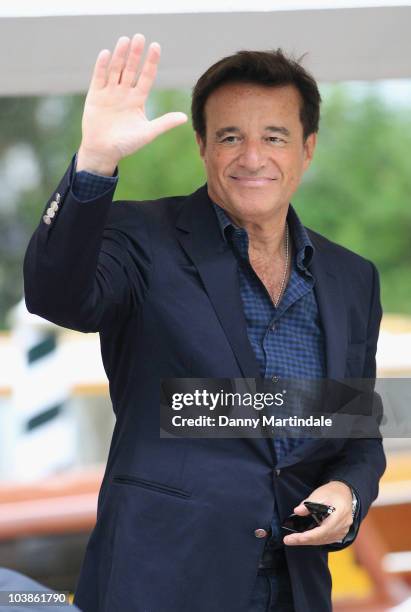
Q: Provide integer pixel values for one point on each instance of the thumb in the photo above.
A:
(166, 122)
(301, 510)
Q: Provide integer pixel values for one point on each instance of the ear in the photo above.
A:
(201, 145)
(309, 147)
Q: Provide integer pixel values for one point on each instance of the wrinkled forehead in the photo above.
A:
(251, 104)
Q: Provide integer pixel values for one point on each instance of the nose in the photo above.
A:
(252, 157)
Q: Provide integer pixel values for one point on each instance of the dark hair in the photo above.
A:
(267, 68)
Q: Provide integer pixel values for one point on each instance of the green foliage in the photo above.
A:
(170, 165)
(356, 192)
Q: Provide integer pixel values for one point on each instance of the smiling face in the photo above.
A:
(254, 153)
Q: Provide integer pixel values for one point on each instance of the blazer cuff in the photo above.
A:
(87, 186)
(353, 530)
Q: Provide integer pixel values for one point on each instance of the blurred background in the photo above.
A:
(55, 414)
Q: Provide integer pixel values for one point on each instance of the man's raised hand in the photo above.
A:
(114, 121)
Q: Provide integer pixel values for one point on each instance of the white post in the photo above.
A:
(44, 429)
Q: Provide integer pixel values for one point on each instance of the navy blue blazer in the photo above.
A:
(176, 517)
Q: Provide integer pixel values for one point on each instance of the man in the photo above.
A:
(223, 283)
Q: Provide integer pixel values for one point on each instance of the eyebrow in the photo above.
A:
(275, 128)
(270, 128)
(225, 130)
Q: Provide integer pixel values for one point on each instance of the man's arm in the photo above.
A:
(89, 260)
(363, 460)
(359, 465)
(90, 264)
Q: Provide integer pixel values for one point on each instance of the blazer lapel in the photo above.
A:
(200, 236)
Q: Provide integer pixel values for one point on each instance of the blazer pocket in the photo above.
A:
(124, 479)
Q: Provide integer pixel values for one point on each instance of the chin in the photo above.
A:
(253, 201)
(251, 209)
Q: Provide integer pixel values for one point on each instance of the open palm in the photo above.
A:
(114, 121)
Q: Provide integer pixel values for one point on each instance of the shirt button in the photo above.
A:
(260, 533)
(275, 379)
(273, 326)
(278, 471)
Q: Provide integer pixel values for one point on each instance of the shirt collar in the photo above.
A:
(303, 245)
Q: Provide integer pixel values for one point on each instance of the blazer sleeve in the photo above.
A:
(88, 264)
(361, 463)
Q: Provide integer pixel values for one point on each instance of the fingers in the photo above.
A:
(129, 73)
(166, 122)
(118, 60)
(99, 77)
(332, 529)
(122, 65)
(149, 71)
(316, 536)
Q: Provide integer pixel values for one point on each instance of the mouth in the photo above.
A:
(253, 181)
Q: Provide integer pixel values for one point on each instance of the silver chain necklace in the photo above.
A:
(276, 300)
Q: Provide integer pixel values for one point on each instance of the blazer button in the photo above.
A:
(54, 206)
(260, 533)
(278, 471)
(46, 219)
(51, 212)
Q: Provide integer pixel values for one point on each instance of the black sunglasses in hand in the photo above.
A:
(318, 512)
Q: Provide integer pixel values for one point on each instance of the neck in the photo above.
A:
(266, 237)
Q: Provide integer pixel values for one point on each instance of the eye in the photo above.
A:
(276, 139)
(229, 139)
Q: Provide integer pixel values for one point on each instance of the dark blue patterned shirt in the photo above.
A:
(288, 340)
